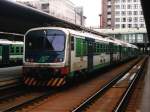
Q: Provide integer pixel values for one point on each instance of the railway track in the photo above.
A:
(97, 101)
(10, 83)
(121, 106)
(10, 77)
(17, 100)
(68, 99)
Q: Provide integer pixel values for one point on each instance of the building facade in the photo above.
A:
(131, 35)
(122, 14)
(63, 9)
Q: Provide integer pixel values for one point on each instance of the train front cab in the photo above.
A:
(45, 61)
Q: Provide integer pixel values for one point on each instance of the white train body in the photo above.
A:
(64, 54)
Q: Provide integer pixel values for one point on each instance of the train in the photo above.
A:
(11, 53)
(53, 56)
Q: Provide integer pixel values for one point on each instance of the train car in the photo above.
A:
(53, 55)
(9, 54)
(4, 52)
(16, 52)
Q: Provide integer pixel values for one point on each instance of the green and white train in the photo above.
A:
(11, 53)
(54, 55)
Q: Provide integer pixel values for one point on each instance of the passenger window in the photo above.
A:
(21, 49)
(78, 47)
(12, 49)
(17, 49)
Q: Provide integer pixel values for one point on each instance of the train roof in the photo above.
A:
(87, 34)
(8, 42)
(18, 42)
(5, 42)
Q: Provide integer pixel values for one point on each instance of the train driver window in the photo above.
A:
(72, 42)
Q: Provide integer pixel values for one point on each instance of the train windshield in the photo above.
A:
(45, 46)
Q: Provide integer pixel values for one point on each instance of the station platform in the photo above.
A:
(10, 72)
(145, 104)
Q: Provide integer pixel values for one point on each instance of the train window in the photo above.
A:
(17, 49)
(95, 48)
(21, 49)
(78, 47)
(12, 49)
(105, 48)
(72, 42)
(45, 40)
(0, 50)
(102, 47)
(84, 48)
(99, 46)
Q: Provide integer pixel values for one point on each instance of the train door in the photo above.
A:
(111, 52)
(90, 53)
(120, 54)
(5, 54)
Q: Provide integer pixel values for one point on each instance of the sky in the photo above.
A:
(92, 9)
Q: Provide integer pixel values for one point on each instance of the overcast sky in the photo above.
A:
(92, 9)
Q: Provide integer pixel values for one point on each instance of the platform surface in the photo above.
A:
(145, 104)
(10, 72)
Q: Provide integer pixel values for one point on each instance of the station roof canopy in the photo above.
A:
(145, 6)
(18, 18)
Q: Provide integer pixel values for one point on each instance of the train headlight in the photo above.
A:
(58, 60)
(27, 60)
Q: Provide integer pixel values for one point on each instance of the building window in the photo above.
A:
(109, 13)
(123, 13)
(135, 6)
(129, 26)
(135, 19)
(129, 6)
(117, 6)
(141, 19)
(123, 6)
(117, 26)
(117, 1)
(140, 38)
(123, 19)
(117, 19)
(129, 12)
(123, 26)
(45, 6)
(142, 26)
(135, 25)
(141, 12)
(129, 1)
(117, 13)
(129, 19)
(135, 12)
